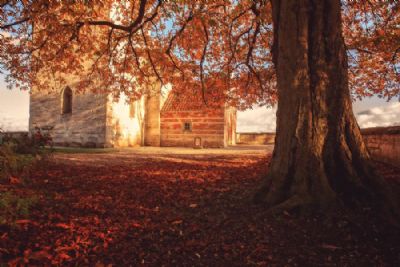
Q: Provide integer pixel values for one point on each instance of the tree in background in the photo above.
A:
(312, 57)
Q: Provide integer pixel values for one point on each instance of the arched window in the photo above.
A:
(67, 101)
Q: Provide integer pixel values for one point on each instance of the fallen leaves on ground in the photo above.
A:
(178, 209)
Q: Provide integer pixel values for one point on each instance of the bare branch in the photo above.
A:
(203, 56)
(12, 24)
(171, 41)
(150, 58)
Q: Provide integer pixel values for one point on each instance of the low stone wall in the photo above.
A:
(383, 143)
(255, 138)
(14, 135)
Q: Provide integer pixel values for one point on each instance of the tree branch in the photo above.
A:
(7, 26)
(203, 56)
(150, 58)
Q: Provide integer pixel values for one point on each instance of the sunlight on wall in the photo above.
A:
(165, 89)
(128, 130)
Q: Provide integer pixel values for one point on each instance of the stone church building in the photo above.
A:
(96, 120)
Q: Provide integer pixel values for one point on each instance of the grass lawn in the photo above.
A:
(79, 150)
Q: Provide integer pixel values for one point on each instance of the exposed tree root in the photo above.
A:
(375, 195)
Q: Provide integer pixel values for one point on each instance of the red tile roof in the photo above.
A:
(178, 101)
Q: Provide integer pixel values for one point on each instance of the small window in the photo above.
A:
(132, 110)
(187, 126)
(67, 101)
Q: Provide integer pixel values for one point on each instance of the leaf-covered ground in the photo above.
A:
(179, 207)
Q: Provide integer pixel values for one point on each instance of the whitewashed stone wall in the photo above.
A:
(122, 129)
(84, 126)
(152, 120)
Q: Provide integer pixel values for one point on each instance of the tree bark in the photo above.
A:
(320, 160)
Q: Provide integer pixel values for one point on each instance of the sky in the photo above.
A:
(14, 108)
(370, 112)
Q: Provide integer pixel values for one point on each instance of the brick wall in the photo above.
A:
(209, 125)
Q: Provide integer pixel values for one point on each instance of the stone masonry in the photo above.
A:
(383, 143)
(84, 126)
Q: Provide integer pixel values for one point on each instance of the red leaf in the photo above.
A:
(23, 221)
(15, 180)
(40, 255)
(63, 226)
(15, 262)
(64, 256)
(330, 247)
(136, 225)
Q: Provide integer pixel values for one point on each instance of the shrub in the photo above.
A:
(8, 160)
(42, 137)
(13, 208)
(19, 155)
(34, 144)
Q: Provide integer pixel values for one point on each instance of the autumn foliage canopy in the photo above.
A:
(220, 48)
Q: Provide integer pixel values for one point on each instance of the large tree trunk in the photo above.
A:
(320, 159)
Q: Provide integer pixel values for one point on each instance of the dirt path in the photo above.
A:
(177, 207)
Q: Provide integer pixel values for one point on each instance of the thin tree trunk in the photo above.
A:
(320, 159)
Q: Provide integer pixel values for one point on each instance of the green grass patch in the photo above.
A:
(13, 207)
(12, 163)
(81, 150)
(24, 161)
